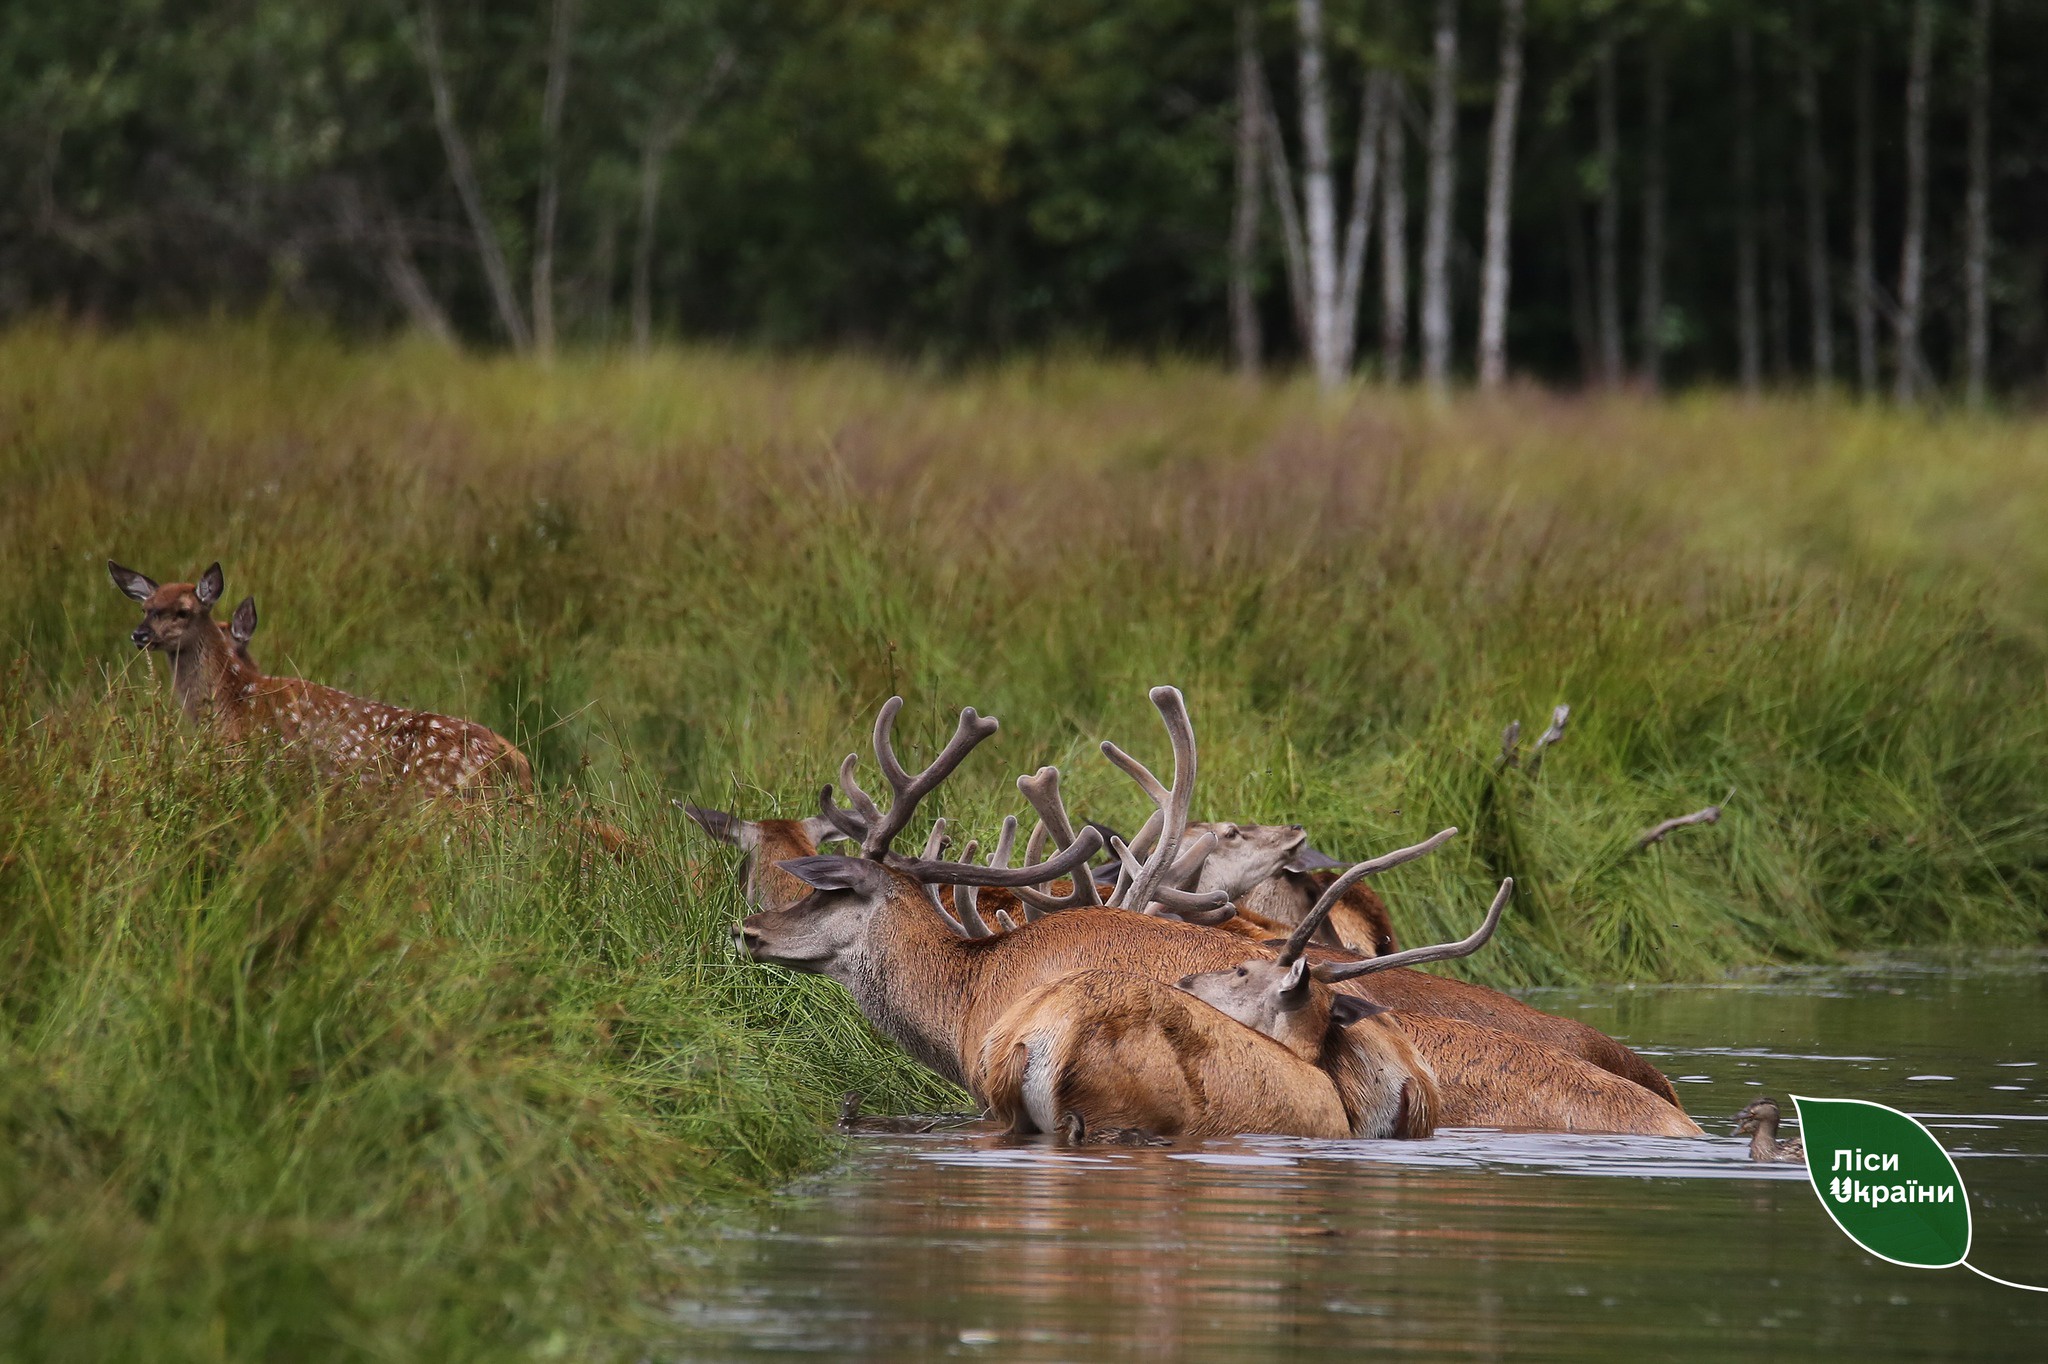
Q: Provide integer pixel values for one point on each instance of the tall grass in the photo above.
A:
(287, 1075)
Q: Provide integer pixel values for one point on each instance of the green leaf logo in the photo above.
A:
(1886, 1182)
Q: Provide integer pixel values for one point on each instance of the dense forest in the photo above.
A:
(1576, 191)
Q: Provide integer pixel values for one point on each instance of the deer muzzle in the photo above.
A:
(142, 637)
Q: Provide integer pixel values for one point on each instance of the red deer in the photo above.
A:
(765, 843)
(219, 687)
(1415, 993)
(1759, 1122)
(1359, 923)
(1487, 1078)
(872, 925)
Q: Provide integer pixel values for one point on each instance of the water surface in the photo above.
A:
(960, 1245)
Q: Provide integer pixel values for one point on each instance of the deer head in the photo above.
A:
(827, 931)
(763, 843)
(1278, 996)
(1244, 855)
(175, 616)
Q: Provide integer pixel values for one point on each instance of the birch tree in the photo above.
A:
(426, 34)
(561, 34)
(668, 125)
(1913, 241)
(1436, 231)
(1977, 212)
(1500, 181)
(1394, 235)
(1246, 341)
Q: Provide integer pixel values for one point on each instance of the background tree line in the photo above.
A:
(1654, 192)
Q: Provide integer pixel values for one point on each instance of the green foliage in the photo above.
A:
(291, 1075)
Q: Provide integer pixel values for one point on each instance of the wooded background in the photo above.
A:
(1575, 191)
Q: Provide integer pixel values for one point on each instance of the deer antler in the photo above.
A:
(966, 901)
(1086, 844)
(1298, 941)
(1147, 881)
(1041, 791)
(881, 829)
(1330, 973)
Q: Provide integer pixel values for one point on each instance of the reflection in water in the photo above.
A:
(960, 1245)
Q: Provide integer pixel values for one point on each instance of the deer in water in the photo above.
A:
(1487, 1078)
(217, 685)
(873, 924)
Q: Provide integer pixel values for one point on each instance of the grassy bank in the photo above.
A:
(286, 1076)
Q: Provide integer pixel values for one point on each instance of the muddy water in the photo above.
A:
(959, 1246)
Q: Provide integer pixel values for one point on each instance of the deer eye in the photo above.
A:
(1242, 971)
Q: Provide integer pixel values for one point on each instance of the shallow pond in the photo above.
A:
(958, 1245)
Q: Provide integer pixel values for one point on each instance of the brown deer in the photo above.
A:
(766, 842)
(1415, 993)
(218, 686)
(872, 925)
(1359, 923)
(1487, 1078)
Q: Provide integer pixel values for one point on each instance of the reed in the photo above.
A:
(290, 1074)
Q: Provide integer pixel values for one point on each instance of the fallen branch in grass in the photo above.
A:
(1658, 833)
(1549, 736)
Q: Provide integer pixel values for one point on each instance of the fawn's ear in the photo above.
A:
(720, 825)
(133, 585)
(209, 587)
(1348, 1009)
(243, 625)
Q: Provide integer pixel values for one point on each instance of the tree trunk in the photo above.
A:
(1608, 239)
(1650, 323)
(1819, 301)
(1394, 236)
(1585, 329)
(1749, 332)
(560, 34)
(1246, 341)
(1913, 242)
(662, 134)
(1977, 213)
(463, 171)
(1865, 229)
(1318, 197)
(376, 228)
(1500, 181)
(1778, 258)
(1365, 166)
(1436, 232)
(1280, 178)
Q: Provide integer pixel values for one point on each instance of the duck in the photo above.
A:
(1759, 1122)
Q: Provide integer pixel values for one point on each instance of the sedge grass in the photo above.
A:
(292, 1075)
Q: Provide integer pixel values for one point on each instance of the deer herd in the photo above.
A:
(1205, 979)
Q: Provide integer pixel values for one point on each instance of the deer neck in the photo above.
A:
(916, 982)
(213, 686)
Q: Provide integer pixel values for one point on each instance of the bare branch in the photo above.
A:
(1558, 719)
(1659, 832)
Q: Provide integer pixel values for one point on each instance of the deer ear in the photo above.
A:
(1348, 1009)
(1308, 859)
(720, 825)
(1295, 983)
(209, 587)
(861, 874)
(243, 624)
(821, 831)
(133, 585)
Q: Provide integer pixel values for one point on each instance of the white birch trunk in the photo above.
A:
(1246, 341)
(1607, 241)
(1318, 198)
(461, 169)
(1650, 321)
(1394, 236)
(1280, 177)
(1500, 183)
(1864, 243)
(1819, 298)
(1358, 227)
(1748, 325)
(561, 31)
(1977, 214)
(1436, 232)
(1913, 241)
